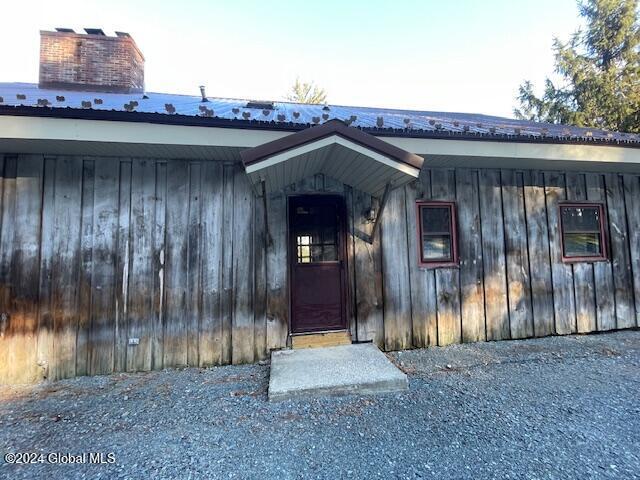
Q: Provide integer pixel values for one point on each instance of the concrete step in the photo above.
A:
(321, 339)
(346, 369)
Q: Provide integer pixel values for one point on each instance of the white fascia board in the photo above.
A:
(46, 128)
(325, 142)
(537, 151)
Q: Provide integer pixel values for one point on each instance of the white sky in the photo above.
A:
(459, 55)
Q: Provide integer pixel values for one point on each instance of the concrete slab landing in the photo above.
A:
(359, 369)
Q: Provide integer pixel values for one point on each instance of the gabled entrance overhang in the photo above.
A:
(336, 150)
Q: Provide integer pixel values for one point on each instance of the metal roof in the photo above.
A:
(159, 107)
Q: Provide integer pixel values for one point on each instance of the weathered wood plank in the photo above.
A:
(260, 277)
(424, 309)
(140, 278)
(243, 315)
(493, 256)
(7, 223)
(211, 330)
(226, 299)
(66, 263)
(105, 229)
(46, 335)
(602, 271)
(23, 314)
(86, 268)
(368, 272)
(518, 281)
(443, 187)
(350, 262)
(123, 266)
(561, 273)
(395, 271)
(159, 266)
(194, 266)
(538, 239)
(632, 200)
(620, 255)
(277, 287)
(470, 247)
(583, 280)
(176, 276)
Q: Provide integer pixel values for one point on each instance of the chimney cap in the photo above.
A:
(65, 30)
(123, 34)
(94, 31)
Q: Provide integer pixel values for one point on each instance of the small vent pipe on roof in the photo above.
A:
(204, 96)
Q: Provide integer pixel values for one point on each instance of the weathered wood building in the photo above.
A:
(139, 232)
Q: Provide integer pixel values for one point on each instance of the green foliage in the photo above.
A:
(302, 92)
(600, 70)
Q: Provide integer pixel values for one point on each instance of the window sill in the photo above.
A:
(438, 265)
(572, 260)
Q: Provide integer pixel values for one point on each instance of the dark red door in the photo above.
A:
(316, 227)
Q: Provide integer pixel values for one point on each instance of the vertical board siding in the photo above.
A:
(583, 278)
(539, 256)
(602, 271)
(424, 311)
(493, 254)
(561, 273)
(620, 254)
(190, 260)
(517, 255)
(395, 268)
(443, 188)
(632, 200)
(471, 262)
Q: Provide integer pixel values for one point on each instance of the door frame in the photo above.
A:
(342, 239)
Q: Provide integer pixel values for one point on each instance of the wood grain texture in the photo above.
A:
(184, 256)
(443, 188)
(395, 268)
(561, 273)
(212, 204)
(493, 254)
(602, 271)
(176, 274)
(368, 271)
(424, 308)
(471, 263)
(517, 252)
(86, 263)
(539, 257)
(105, 228)
(583, 278)
(620, 254)
(243, 274)
(632, 201)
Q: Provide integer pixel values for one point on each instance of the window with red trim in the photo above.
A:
(582, 228)
(437, 233)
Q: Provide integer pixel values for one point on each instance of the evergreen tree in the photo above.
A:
(600, 68)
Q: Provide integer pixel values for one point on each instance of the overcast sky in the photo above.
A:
(453, 55)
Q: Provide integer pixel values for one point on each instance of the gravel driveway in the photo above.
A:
(561, 407)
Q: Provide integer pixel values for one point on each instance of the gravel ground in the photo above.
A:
(553, 408)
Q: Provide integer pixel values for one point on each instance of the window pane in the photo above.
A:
(330, 253)
(436, 247)
(582, 244)
(581, 219)
(436, 219)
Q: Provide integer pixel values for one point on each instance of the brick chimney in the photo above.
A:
(91, 61)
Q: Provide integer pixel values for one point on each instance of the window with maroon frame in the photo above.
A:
(582, 227)
(437, 233)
